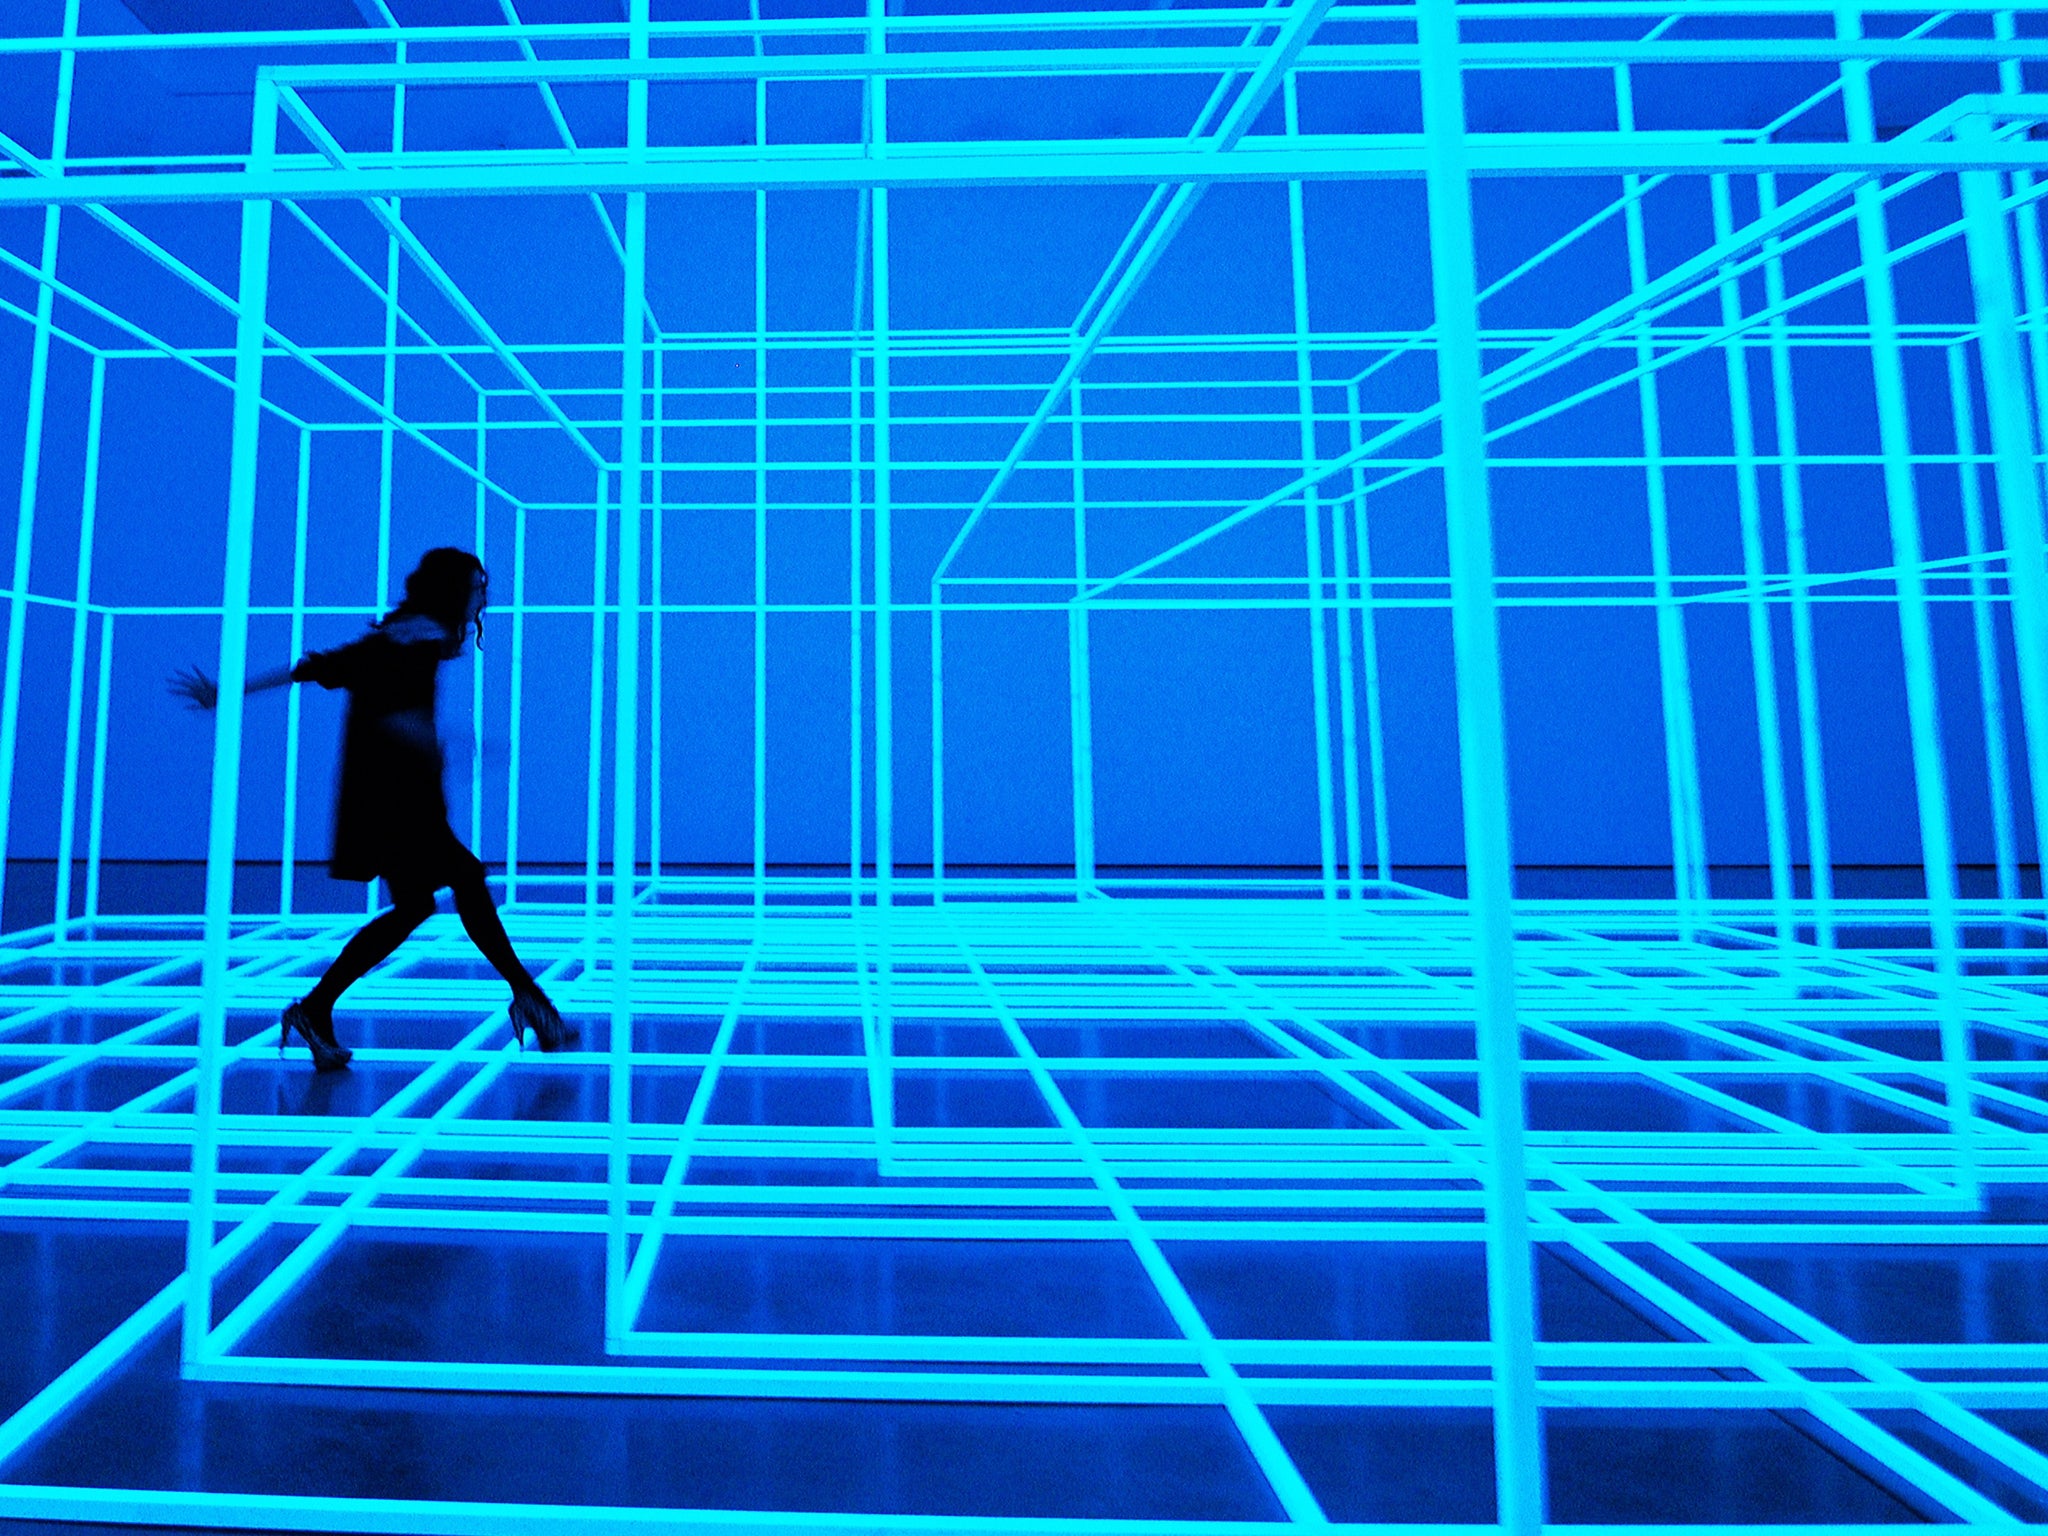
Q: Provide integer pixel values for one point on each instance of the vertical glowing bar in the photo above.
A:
(386, 439)
(593, 804)
(252, 303)
(1820, 862)
(515, 730)
(2033, 272)
(32, 455)
(885, 732)
(760, 492)
(1080, 678)
(937, 636)
(2027, 225)
(1347, 705)
(1916, 636)
(476, 667)
(626, 711)
(658, 517)
(1681, 749)
(856, 592)
(1482, 764)
(288, 855)
(96, 826)
(1311, 519)
(1984, 629)
(1762, 654)
(1369, 655)
(74, 704)
(2014, 448)
(881, 1090)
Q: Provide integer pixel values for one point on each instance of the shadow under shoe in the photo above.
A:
(317, 1030)
(531, 1010)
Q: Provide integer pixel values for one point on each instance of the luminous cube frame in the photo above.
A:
(1355, 925)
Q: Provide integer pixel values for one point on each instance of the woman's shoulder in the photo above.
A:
(398, 643)
(415, 629)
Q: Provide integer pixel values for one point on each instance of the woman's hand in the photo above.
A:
(197, 689)
(201, 692)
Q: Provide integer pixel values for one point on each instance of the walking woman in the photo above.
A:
(391, 815)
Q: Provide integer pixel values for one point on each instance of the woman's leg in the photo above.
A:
(411, 906)
(480, 921)
(530, 1009)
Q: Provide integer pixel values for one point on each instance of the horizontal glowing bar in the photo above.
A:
(954, 1386)
(401, 1517)
(1121, 58)
(909, 165)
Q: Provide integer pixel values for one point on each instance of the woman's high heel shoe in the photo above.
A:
(317, 1030)
(531, 1010)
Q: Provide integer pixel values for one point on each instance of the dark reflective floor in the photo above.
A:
(512, 1297)
(1067, 1202)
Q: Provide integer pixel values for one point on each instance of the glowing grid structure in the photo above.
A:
(1149, 1084)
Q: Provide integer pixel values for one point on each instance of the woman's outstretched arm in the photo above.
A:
(201, 692)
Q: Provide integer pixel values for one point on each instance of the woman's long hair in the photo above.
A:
(439, 589)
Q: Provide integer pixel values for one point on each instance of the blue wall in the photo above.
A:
(1204, 751)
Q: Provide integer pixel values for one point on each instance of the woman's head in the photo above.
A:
(448, 586)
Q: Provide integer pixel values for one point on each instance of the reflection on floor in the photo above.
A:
(999, 1212)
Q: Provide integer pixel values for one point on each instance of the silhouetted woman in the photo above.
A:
(391, 816)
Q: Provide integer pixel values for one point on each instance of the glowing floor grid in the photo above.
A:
(1205, 1173)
